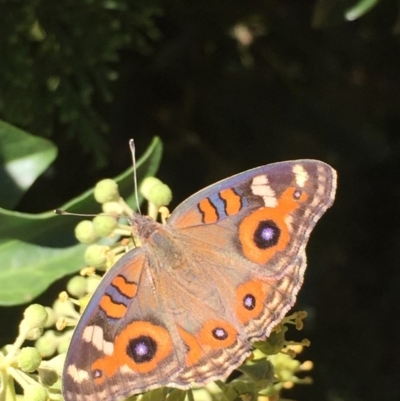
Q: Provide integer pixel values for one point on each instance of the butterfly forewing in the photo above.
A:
(264, 215)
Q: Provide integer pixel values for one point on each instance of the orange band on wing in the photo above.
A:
(125, 287)
(111, 309)
(195, 352)
(208, 210)
(233, 201)
(104, 368)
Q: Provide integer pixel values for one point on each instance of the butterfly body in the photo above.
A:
(185, 307)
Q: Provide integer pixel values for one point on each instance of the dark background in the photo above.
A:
(306, 84)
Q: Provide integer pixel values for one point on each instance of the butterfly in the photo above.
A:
(185, 307)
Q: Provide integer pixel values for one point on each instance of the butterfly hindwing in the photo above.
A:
(112, 352)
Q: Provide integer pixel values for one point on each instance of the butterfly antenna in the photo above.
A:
(62, 212)
(133, 148)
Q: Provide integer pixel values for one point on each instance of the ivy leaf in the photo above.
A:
(37, 249)
(23, 158)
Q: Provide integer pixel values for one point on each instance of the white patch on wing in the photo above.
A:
(95, 336)
(108, 347)
(260, 187)
(88, 334)
(300, 175)
(125, 369)
(289, 222)
(78, 375)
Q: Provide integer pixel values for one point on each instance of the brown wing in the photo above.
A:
(124, 343)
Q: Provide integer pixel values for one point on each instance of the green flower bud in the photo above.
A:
(284, 366)
(35, 315)
(51, 317)
(95, 255)
(285, 375)
(160, 195)
(63, 346)
(77, 286)
(104, 225)
(29, 359)
(92, 283)
(36, 393)
(113, 208)
(65, 309)
(31, 326)
(84, 232)
(34, 333)
(147, 184)
(47, 344)
(106, 191)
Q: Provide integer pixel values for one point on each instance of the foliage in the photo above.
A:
(58, 57)
(36, 250)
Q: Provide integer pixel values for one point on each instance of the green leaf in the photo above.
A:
(32, 268)
(273, 344)
(155, 395)
(260, 370)
(361, 8)
(23, 158)
(329, 13)
(37, 249)
(177, 395)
